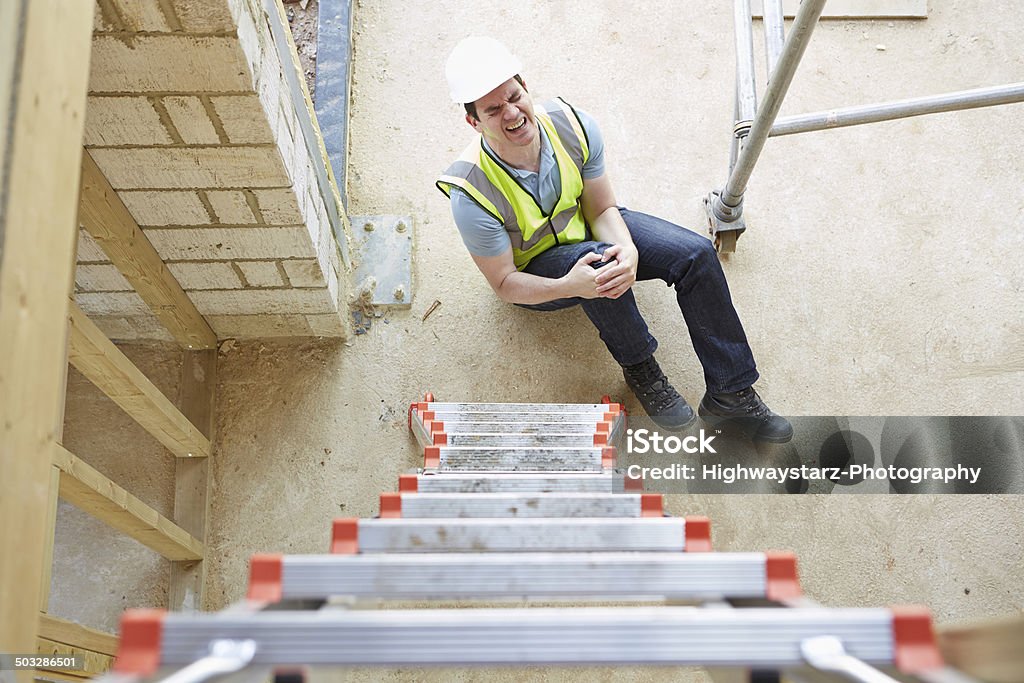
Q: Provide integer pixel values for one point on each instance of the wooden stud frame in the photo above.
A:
(102, 362)
(87, 489)
(42, 106)
(192, 476)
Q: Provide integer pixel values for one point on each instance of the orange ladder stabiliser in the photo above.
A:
(603, 430)
(408, 483)
(782, 582)
(266, 573)
(914, 639)
(652, 505)
(390, 505)
(420, 407)
(436, 430)
(138, 650)
(345, 536)
(616, 409)
(431, 457)
(698, 534)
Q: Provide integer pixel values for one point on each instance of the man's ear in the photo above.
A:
(524, 84)
(474, 122)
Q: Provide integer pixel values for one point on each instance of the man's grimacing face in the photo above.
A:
(506, 116)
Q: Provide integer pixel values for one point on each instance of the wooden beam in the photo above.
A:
(46, 576)
(87, 489)
(106, 218)
(989, 651)
(97, 358)
(93, 663)
(47, 675)
(42, 106)
(68, 632)
(196, 396)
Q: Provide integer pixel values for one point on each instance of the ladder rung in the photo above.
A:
(448, 505)
(635, 575)
(561, 408)
(484, 440)
(762, 638)
(548, 482)
(520, 535)
(492, 416)
(517, 459)
(583, 427)
(432, 431)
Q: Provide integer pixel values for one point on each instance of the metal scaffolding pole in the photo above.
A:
(899, 109)
(774, 31)
(781, 77)
(734, 146)
(746, 82)
(745, 101)
(725, 209)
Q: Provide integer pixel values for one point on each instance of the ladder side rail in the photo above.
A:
(419, 430)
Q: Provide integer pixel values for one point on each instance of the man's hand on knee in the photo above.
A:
(580, 281)
(616, 278)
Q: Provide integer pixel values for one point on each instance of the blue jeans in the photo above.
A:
(681, 259)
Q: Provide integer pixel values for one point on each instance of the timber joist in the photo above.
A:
(109, 222)
(86, 488)
(109, 369)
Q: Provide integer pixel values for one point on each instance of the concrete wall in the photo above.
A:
(191, 119)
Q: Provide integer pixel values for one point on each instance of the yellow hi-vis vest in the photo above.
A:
(478, 173)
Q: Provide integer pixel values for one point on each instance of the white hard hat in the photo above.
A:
(477, 66)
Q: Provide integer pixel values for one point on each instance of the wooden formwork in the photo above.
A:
(49, 186)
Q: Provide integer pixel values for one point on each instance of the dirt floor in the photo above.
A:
(302, 19)
(880, 276)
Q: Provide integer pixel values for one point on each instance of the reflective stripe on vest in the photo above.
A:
(498, 193)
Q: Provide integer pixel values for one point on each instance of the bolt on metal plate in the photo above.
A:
(383, 249)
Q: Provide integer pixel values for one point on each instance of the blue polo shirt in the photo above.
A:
(482, 234)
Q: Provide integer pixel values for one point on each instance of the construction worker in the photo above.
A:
(536, 211)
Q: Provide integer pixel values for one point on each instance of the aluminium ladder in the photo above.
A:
(523, 502)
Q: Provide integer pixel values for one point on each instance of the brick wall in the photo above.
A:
(190, 118)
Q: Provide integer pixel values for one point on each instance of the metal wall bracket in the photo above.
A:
(383, 259)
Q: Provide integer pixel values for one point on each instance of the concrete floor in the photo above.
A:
(881, 275)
